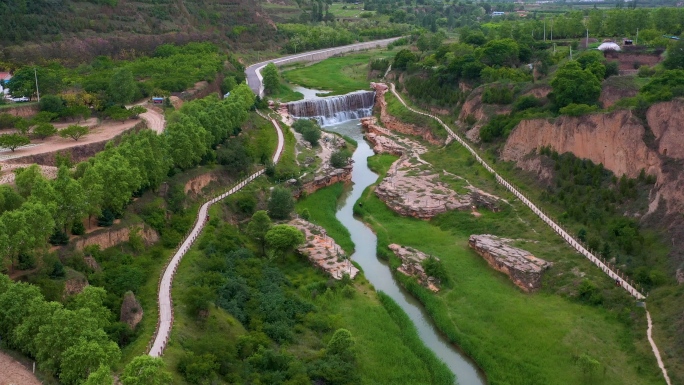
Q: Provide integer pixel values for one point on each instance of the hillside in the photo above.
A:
(61, 28)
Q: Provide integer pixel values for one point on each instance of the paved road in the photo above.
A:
(253, 72)
(165, 322)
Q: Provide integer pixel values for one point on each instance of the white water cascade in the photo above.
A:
(334, 109)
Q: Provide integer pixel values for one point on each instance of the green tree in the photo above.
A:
(271, 78)
(30, 226)
(25, 179)
(52, 103)
(44, 130)
(312, 135)
(86, 356)
(38, 311)
(503, 52)
(258, 227)
(14, 308)
(187, 140)
(281, 203)
(675, 56)
(403, 58)
(146, 370)
(234, 155)
(74, 132)
(12, 141)
(135, 111)
(284, 238)
(572, 84)
(120, 177)
(122, 86)
(70, 199)
(102, 376)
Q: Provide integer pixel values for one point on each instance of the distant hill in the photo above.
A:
(38, 29)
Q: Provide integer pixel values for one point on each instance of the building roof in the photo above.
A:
(5, 76)
(609, 46)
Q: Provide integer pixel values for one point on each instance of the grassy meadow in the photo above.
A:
(340, 75)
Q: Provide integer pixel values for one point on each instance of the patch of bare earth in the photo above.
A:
(14, 373)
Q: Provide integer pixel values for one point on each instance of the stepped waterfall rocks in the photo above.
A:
(334, 109)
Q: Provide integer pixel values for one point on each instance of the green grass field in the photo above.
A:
(352, 10)
(516, 338)
(340, 74)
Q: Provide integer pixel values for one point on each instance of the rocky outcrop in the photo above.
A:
(475, 108)
(524, 269)
(392, 123)
(323, 251)
(384, 145)
(74, 284)
(332, 176)
(198, 183)
(412, 188)
(110, 237)
(131, 311)
(411, 265)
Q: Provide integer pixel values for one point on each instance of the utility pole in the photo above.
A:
(570, 52)
(551, 29)
(637, 37)
(35, 73)
(545, 30)
(587, 46)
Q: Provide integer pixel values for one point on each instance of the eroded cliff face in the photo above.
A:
(614, 139)
(474, 109)
(110, 237)
(394, 124)
(617, 141)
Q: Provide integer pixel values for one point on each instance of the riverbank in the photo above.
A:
(515, 337)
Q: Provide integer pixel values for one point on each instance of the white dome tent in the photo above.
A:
(609, 46)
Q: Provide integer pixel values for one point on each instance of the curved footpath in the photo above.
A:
(557, 228)
(165, 321)
(254, 78)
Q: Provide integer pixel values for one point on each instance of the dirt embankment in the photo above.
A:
(397, 125)
(474, 110)
(21, 110)
(111, 237)
(617, 140)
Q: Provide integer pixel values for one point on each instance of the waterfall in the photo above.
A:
(334, 109)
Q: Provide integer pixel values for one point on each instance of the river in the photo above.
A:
(378, 271)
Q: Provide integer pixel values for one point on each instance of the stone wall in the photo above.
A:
(524, 269)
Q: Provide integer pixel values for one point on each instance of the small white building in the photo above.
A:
(609, 46)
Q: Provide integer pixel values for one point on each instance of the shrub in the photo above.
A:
(577, 109)
(499, 126)
(526, 102)
(497, 95)
(645, 71)
(340, 158)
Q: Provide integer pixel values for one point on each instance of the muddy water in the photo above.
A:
(378, 272)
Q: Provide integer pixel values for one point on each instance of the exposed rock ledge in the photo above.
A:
(411, 265)
(323, 251)
(412, 187)
(131, 311)
(524, 269)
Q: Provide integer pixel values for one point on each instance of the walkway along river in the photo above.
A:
(378, 272)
